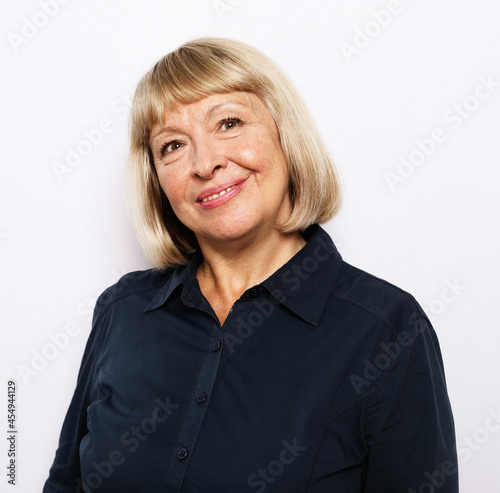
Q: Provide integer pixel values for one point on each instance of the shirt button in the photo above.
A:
(216, 345)
(182, 453)
(254, 292)
(200, 399)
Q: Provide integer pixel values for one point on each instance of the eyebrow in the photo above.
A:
(210, 111)
(217, 106)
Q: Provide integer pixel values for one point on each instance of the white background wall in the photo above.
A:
(64, 235)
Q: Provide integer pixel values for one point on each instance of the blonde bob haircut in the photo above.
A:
(198, 69)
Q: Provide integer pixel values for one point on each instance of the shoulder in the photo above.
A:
(371, 296)
(133, 284)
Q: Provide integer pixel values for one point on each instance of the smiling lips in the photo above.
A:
(217, 196)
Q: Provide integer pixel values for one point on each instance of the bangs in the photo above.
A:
(186, 76)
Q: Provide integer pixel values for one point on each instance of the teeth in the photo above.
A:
(215, 195)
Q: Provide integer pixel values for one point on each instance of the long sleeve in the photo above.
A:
(65, 476)
(409, 428)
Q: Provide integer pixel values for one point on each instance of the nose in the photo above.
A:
(207, 158)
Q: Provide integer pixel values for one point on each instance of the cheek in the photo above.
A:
(242, 153)
(254, 152)
(264, 160)
(247, 156)
(172, 186)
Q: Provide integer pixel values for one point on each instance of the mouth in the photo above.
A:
(213, 197)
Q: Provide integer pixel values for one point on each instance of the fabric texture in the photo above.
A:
(322, 379)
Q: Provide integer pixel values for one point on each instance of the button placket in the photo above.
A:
(196, 412)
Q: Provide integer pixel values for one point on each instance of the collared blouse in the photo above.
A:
(322, 379)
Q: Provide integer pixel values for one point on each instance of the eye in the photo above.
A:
(169, 147)
(230, 122)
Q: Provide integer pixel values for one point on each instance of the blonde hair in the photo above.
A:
(198, 69)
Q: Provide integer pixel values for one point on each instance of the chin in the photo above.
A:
(232, 231)
(230, 234)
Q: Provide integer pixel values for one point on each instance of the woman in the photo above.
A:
(252, 357)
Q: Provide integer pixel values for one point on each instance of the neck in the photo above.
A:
(230, 268)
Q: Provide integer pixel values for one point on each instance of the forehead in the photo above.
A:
(214, 104)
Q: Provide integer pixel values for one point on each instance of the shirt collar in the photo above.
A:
(182, 275)
(303, 284)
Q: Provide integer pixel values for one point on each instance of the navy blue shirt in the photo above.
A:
(322, 379)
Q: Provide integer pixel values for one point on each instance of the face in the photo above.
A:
(220, 163)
